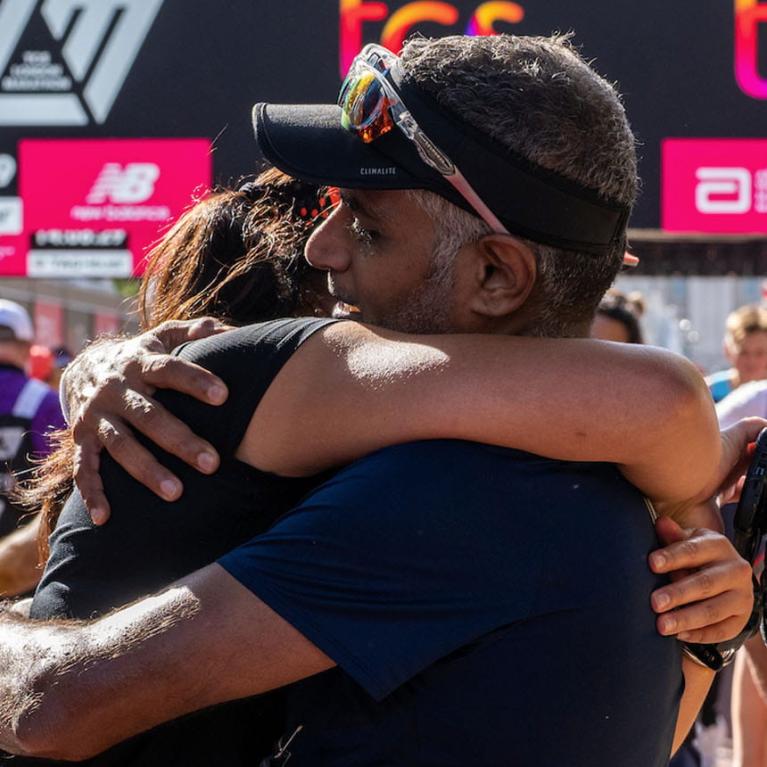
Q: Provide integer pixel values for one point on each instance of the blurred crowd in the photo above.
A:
(732, 727)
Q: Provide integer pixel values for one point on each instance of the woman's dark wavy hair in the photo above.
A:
(236, 255)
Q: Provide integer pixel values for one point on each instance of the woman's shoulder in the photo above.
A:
(251, 343)
(247, 359)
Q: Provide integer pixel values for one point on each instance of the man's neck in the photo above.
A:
(517, 325)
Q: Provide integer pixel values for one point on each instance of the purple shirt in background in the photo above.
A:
(48, 417)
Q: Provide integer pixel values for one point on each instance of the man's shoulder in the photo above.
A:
(454, 473)
(427, 457)
(447, 459)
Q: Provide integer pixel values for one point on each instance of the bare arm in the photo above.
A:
(58, 681)
(699, 553)
(697, 683)
(642, 408)
(749, 717)
(756, 655)
(19, 567)
(351, 390)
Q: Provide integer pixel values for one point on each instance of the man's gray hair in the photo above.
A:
(538, 97)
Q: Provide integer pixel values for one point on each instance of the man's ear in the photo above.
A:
(505, 274)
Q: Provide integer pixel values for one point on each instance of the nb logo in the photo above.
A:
(100, 41)
(124, 186)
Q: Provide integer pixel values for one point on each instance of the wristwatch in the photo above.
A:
(717, 656)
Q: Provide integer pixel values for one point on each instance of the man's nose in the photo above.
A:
(328, 246)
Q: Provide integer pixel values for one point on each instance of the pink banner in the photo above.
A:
(714, 185)
(93, 207)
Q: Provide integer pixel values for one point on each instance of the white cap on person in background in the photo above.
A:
(15, 324)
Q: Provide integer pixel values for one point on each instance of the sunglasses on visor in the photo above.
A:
(371, 108)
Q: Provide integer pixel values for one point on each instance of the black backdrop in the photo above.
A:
(204, 62)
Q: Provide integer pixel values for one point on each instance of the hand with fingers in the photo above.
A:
(711, 596)
(109, 390)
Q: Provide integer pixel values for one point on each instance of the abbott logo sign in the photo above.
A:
(724, 191)
(714, 185)
(99, 42)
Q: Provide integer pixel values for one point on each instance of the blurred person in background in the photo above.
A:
(61, 358)
(745, 346)
(40, 363)
(749, 677)
(29, 410)
(617, 318)
(749, 705)
(750, 399)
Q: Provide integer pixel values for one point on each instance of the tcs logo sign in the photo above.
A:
(398, 24)
(749, 15)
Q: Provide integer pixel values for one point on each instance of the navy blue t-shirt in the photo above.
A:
(484, 607)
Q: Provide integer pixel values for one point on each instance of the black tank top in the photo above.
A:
(148, 543)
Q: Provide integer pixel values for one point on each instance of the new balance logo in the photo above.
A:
(100, 41)
(127, 185)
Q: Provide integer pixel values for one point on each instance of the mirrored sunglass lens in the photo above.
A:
(361, 100)
(364, 105)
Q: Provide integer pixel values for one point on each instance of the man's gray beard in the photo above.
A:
(427, 308)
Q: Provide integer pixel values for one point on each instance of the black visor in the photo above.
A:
(309, 142)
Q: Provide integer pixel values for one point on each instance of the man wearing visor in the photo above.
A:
(436, 603)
